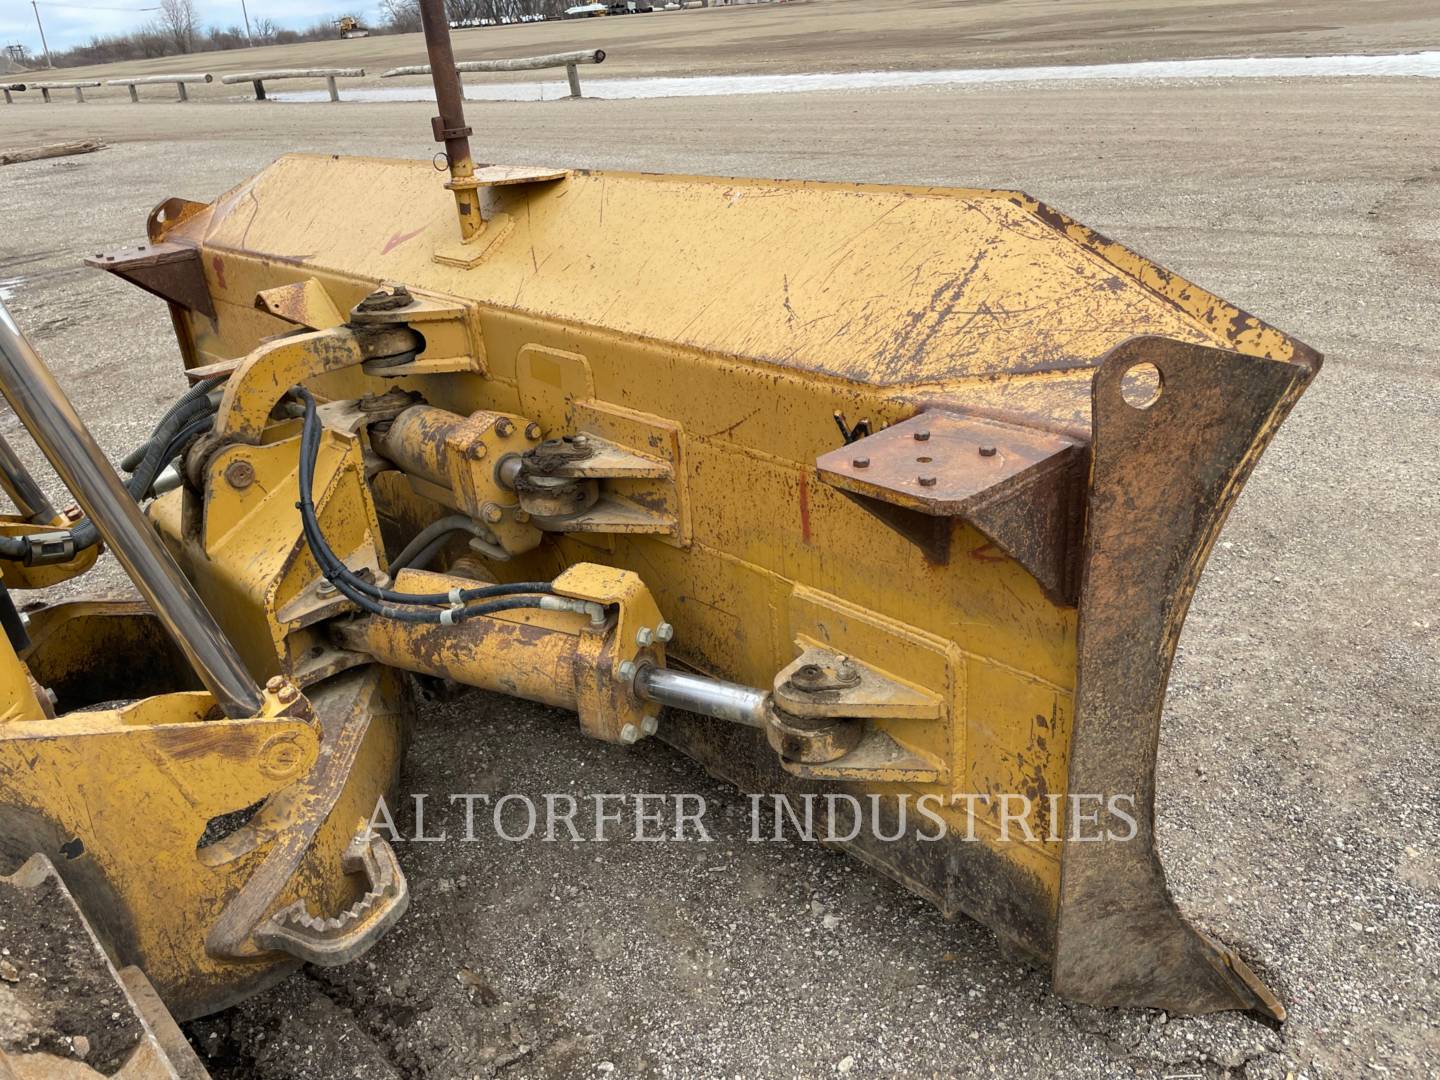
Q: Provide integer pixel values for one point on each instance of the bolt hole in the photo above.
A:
(924, 460)
(1141, 386)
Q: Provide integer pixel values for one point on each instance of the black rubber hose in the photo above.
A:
(195, 393)
(422, 549)
(372, 598)
(85, 533)
(191, 415)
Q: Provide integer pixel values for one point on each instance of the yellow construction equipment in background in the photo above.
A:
(881, 490)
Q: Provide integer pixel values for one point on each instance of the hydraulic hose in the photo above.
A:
(427, 543)
(403, 607)
(182, 403)
(191, 415)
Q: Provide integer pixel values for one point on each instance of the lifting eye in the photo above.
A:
(1141, 386)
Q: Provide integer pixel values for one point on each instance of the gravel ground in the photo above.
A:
(1298, 768)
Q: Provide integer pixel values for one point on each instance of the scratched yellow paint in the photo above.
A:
(746, 312)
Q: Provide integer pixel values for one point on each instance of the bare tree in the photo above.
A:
(401, 16)
(264, 31)
(177, 22)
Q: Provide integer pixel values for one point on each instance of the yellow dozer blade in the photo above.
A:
(890, 492)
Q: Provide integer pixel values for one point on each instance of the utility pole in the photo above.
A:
(45, 44)
(244, 11)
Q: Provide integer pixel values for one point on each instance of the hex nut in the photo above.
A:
(664, 632)
(532, 431)
(644, 636)
(274, 683)
(491, 513)
(626, 670)
(504, 427)
(650, 725)
(629, 733)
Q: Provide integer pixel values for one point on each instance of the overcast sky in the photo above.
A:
(74, 22)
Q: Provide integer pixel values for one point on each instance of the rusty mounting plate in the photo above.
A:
(170, 271)
(1021, 486)
(943, 463)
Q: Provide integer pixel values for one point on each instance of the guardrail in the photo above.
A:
(568, 61)
(17, 87)
(260, 78)
(78, 87)
(147, 80)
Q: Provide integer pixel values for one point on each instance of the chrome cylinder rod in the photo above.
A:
(52, 422)
(698, 694)
(22, 489)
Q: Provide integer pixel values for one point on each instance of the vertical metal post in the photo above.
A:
(449, 127)
(184, 94)
(134, 94)
(572, 72)
(259, 90)
(51, 420)
(334, 90)
(45, 93)
(8, 99)
(80, 95)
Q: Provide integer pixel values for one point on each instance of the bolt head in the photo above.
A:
(860, 462)
(644, 636)
(274, 683)
(629, 733)
(504, 427)
(922, 436)
(286, 693)
(927, 481)
(532, 431)
(664, 632)
(239, 475)
(491, 513)
(626, 670)
(987, 451)
(650, 725)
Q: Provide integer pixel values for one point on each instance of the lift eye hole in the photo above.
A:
(1141, 386)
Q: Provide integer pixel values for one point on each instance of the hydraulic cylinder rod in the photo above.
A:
(51, 420)
(22, 489)
(699, 694)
